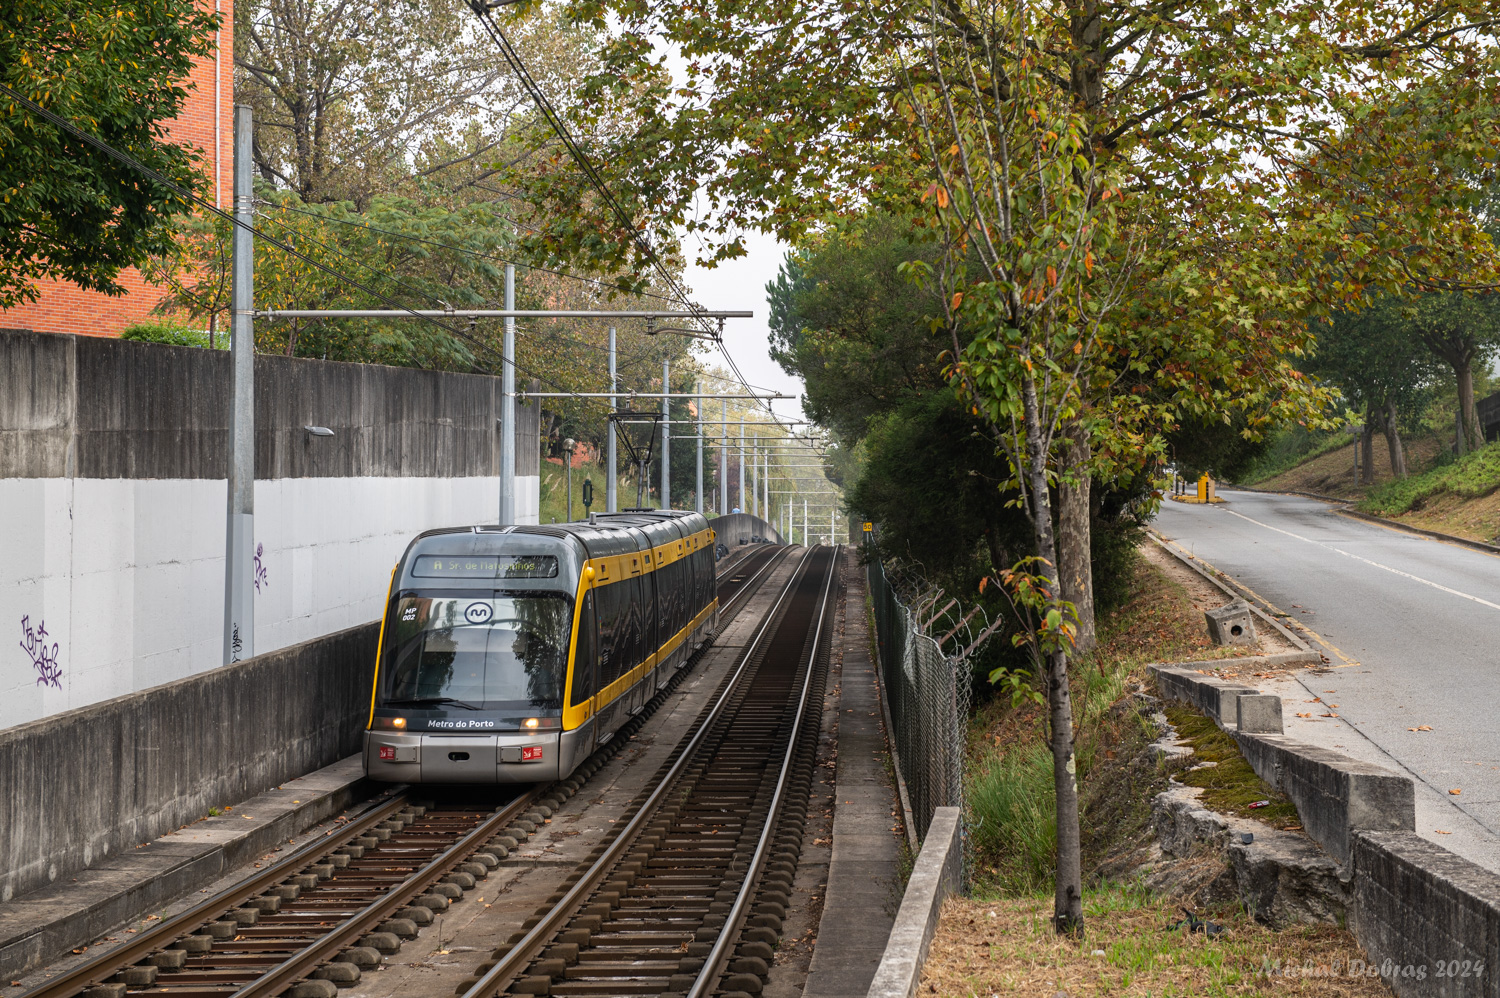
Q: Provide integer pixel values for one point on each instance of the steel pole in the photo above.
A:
(239, 535)
(805, 539)
(698, 501)
(611, 483)
(666, 436)
(742, 464)
(508, 407)
(724, 458)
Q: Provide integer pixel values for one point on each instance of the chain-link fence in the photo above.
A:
(924, 642)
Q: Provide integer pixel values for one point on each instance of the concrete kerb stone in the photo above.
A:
(1425, 916)
(935, 876)
(1335, 794)
(1416, 905)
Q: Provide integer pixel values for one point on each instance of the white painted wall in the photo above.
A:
(127, 576)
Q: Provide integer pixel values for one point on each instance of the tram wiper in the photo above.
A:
(432, 701)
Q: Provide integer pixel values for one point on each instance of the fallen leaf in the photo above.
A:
(1455, 791)
(1305, 715)
(1424, 727)
(1442, 832)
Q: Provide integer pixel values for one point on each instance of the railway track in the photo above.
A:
(689, 895)
(316, 918)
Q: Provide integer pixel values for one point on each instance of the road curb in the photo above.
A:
(1304, 653)
(1347, 509)
(1422, 531)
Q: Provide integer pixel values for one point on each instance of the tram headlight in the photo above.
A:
(398, 723)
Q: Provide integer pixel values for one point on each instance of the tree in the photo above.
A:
(1381, 367)
(69, 211)
(352, 100)
(1462, 330)
(1130, 228)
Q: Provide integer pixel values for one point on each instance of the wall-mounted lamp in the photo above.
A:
(319, 431)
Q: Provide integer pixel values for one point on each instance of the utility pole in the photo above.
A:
(806, 541)
(508, 407)
(724, 457)
(698, 502)
(568, 449)
(666, 435)
(742, 464)
(611, 499)
(239, 536)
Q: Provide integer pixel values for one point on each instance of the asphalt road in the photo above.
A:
(1411, 628)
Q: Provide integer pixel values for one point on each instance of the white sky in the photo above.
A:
(741, 284)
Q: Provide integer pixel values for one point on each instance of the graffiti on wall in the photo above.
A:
(261, 578)
(43, 657)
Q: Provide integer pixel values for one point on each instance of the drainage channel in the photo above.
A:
(688, 896)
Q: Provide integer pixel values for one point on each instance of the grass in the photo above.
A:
(1010, 797)
(1290, 447)
(1008, 947)
(554, 489)
(1472, 476)
(1229, 786)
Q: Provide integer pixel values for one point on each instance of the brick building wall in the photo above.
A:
(207, 122)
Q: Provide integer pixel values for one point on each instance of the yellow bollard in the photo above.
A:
(1203, 488)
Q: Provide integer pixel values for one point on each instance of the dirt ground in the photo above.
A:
(992, 948)
(1332, 474)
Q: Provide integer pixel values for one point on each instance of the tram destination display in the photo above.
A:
(485, 567)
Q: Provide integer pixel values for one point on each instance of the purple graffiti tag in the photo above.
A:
(261, 578)
(43, 658)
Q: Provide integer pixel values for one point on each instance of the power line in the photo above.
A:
(189, 197)
(475, 253)
(518, 66)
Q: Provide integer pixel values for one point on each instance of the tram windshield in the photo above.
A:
(473, 652)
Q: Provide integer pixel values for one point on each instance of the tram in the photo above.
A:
(509, 654)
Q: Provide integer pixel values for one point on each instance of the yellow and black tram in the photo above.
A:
(508, 654)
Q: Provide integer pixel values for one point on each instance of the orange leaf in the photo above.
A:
(958, 297)
(1088, 262)
(942, 197)
(1052, 276)
(983, 582)
(1455, 791)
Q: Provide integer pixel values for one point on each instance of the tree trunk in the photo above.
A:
(1074, 537)
(1367, 446)
(1068, 899)
(1393, 441)
(1468, 414)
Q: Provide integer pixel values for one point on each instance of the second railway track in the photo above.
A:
(688, 897)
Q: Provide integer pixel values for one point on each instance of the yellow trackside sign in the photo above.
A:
(869, 527)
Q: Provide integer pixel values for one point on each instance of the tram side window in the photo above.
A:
(584, 665)
(612, 627)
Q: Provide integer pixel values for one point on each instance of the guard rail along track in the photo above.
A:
(315, 919)
(689, 894)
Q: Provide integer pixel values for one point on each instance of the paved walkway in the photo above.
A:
(864, 878)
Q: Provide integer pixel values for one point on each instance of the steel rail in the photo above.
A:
(513, 962)
(748, 586)
(146, 943)
(344, 935)
(713, 964)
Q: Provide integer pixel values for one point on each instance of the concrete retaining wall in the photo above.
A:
(936, 874)
(734, 529)
(90, 783)
(111, 483)
(1426, 917)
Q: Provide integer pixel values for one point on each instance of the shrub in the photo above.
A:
(171, 333)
